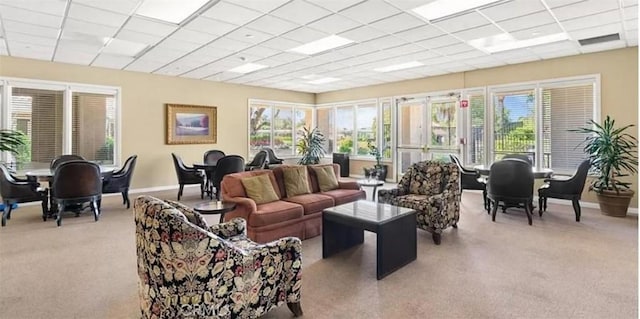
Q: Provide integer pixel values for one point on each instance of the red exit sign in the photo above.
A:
(464, 103)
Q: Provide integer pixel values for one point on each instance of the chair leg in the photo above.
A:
(527, 209)
(45, 208)
(5, 212)
(437, 238)
(545, 204)
(59, 216)
(494, 210)
(295, 308)
(484, 199)
(540, 203)
(125, 196)
(10, 210)
(576, 208)
(180, 191)
(96, 210)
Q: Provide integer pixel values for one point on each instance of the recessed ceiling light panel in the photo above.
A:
(443, 8)
(505, 42)
(401, 66)
(170, 11)
(324, 44)
(248, 68)
(324, 80)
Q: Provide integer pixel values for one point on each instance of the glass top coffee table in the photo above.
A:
(370, 182)
(343, 227)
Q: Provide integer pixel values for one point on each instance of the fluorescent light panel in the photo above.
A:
(248, 68)
(324, 80)
(324, 44)
(505, 42)
(171, 11)
(443, 8)
(401, 66)
(122, 47)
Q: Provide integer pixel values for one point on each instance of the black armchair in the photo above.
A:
(120, 180)
(260, 161)
(570, 189)
(510, 182)
(470, 179)
(271, 156)
(187, 175)
(212, 156)
(16, 190)
(64, 158)
(74, 183)
(226, 165)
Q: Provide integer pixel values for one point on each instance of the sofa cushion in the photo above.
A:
(312, 203)
(259, 189)
(342, 196)
(326, 178)
(426, 180)
(313, 177)
(275, 212)
(296, 181)
(232, 183)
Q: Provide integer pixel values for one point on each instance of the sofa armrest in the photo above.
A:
(443, 200)
(234, 227)
(348, 185)
(385, 195)
(244, 207)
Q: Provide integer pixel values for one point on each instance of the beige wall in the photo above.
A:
(143, 111)
(619, 85)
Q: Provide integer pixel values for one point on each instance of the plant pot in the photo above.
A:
(381, 172)
(614, 204)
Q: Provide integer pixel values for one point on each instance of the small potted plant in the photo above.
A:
(379, 171)
(310, 146)
(613, 154)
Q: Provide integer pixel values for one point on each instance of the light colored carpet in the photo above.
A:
(556, 268)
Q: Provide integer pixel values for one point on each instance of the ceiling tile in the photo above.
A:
(31, 29)
(628, 3)
(540, 31)
(72, 25)
(231, 13)
(259, 5)
(479, 32)
(229, 44)
(467, 55)
(260, 51)
(281, 44)
(37, 6)
(80, 46)
(26, 16)
(119, 6)
(589, 21)
(455, 49)
(553, 47)
(74, 56)
(611, 45)
(631, 24)
(408, 48)
(32, 51)
(305, 35)
(463, 22)
(397, 23)
(511, 9)
(208, 54)
(560, 3)
(596, 31)
(3, 48)
(362, 34)
(272, 25)
(193, 36)
(335, 5)
(334, 24)
(630, 12)
(557, 54)
(143, 25)
(300, 12)
(438, 42)
(178, 45)
(536, 19)
(163, 55)
(210, 26)
(138, 37)
(369, 11)
(385, 42)
(29, 39)
(420, 33)
(584, 8)
(632, 37)
(112, 61)
(93, 15)
(248, 35)
(356, 49)
(144, 65)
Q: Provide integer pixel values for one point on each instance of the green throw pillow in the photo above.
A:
(260, 189)
(326, 178)
(296, 181)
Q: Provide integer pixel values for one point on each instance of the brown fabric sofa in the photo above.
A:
(299, 216)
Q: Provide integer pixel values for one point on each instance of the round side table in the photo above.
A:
(214, 207)
(371, 183)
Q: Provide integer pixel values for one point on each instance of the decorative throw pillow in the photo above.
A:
(326, 178)
(296, 181)
(260, 189)
(191, 215)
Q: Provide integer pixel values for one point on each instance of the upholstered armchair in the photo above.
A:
(188, 269)
(433, 190)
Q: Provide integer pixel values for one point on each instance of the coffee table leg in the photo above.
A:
(373, 196)
(337, 237)
(396, 245)
(221, 218)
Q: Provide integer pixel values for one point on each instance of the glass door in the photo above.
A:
(427, 130)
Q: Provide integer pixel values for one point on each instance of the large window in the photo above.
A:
(344, 129)
(39, 108)
(475, 144)
(277, 125)
(514, 124)
(326, 125)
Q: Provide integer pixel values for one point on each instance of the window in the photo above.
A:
(366, 125)
(276, 125)
(38, 108)
(514, 124)
(344, 129)
(326, 126)
(386, 129)
(475, 144)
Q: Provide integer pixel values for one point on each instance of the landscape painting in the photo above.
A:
(191, 124)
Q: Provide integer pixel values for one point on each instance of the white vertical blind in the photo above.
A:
(566, 108)
(93, 126)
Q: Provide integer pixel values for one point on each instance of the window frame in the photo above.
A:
(68, 88)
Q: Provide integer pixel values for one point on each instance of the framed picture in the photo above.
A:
(191, 124)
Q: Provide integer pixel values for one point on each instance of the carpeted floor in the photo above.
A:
(556, 268)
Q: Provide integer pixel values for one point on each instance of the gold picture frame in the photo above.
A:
(191, 124)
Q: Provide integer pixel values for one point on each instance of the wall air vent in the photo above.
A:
(600, 39)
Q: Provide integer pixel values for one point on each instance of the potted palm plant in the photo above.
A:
(310, 146)
(10, 141)
(379, 171)
(613, 154)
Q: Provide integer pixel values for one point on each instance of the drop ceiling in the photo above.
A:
(225, 34)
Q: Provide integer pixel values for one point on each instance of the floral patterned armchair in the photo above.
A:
(433, 190)
(187, 269)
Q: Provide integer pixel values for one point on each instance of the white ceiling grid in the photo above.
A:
(228, 33)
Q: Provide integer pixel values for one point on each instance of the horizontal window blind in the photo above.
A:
(566, 108)
(93, 126)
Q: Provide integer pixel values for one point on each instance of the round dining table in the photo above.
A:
(209, 169)
(537, 172)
